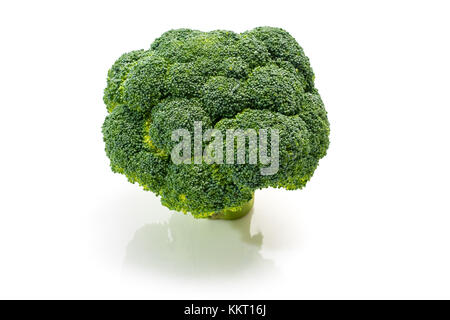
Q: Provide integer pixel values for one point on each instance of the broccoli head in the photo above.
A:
(259, 79)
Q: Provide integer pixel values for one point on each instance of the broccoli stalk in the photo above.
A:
(258, 79)
(234, 213)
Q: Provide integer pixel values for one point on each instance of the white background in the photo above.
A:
(374, 221)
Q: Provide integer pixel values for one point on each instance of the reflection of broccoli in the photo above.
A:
(178, 248)
(258, 79)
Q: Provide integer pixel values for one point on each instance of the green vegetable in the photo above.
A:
(258, 79)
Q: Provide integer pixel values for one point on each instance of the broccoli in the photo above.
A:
(254, 80)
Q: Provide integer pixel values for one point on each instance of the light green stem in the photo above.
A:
(234, 213)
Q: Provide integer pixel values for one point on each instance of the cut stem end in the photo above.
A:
(234, 213)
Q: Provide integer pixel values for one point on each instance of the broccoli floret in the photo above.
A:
(145, 85)
(117, 75)
(271, 87)
(295, 164)
(259, 79)
(175, 114)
